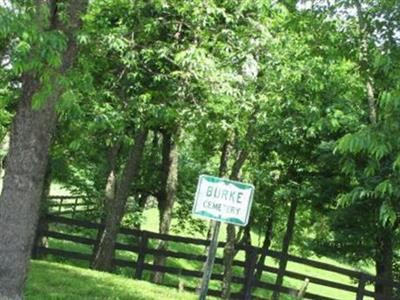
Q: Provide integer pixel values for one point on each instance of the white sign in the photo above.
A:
(223, 200)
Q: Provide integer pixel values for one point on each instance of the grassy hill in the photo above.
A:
(151, 223)
(60, 281)
(49, 280)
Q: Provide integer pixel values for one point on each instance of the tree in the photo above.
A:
(167, 192)
(368, 150)
(31, 133)
(115, 206)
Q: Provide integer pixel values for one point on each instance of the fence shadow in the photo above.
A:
(142, 247)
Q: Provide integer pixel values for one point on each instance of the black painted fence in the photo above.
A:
(248, 282)
(70, 205)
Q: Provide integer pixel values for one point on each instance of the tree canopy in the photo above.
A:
(130, 101)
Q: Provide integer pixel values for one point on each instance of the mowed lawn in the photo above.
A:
(59, 281)
(49, 280)
(151, 223)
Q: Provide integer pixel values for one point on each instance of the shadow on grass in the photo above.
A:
(55, 281)
(169, 279)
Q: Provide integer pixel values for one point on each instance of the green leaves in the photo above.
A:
(384, 189)
(387, 214)
(396, 163)
(367, 141)
(212, 68)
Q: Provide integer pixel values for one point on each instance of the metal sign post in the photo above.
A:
(212, 250)
(225, 201)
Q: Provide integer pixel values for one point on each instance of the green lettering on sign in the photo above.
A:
(223, 200)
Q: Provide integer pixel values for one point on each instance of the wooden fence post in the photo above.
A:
(35, 249)
(144, 240)
(96, 244)
(280, 274)
(74, 207)
(38, 243)
(250, 267)
(361, 286)
(303, 289)
(60, 204)
(87, 203)
(248, 283)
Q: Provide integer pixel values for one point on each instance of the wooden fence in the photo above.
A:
(251, 288)
(70, 205)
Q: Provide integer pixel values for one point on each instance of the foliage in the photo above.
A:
(284, 80)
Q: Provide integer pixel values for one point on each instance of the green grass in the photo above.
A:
(151, 217)
(48, 280)
(322, 274)
(57, 189)
(151, 223)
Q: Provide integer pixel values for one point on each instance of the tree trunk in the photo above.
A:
(384, 248)
(245, 241)
(264, 248)
(22, 188)
(166, 197)
(223, 162)
(364, 63)
(109, 191)
(384, 263)
(141, 206)
(229, 249)
(115, 206)
(285, 246)
(40, 240)
(223, 170)
(112, 169)
(30, 139)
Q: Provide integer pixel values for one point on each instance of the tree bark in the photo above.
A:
(245, 241)
(142, 201)
(30, 139)
(384, 263)
(264, 248)
(223, 162)
(222, 171)
(22, 188)
(115, 206)
(229, 249)
(111, 181)
(166, 197)
(384, 248)
(364, 63)
(285, 246)
(109, 191)
(40, 240)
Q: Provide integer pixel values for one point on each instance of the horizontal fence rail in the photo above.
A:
(70, 205)
(142, 248)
